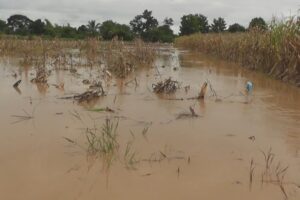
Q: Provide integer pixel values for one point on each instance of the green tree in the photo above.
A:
(93, 28)
(66, 31)
(142, 24)
(166, 33)
(161, 34)
(124, 32)
(3, 26)
(168, 21)
(50, 29)
(193, 24)
(110, 29)
(258, 23)
(82, 31)
(218, 25)
(19, 24)
(38, 27)
(236, 28)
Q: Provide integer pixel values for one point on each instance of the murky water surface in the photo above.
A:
(208, 157)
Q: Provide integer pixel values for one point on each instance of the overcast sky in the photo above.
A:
(77, 12)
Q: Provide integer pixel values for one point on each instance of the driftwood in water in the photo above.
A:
(88, 95)
(201, 94)
(106, 109)
(193, 112)
(61, 86)
(167, 86)
(202, 91)
(97, 85)
(94, 92)
(17, 83)
(188, 115)
(86, 82)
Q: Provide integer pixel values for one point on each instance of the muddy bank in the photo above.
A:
(219, 152)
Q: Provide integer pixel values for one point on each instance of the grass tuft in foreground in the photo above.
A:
(103, 143)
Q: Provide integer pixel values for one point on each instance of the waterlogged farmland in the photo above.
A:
(94, 120)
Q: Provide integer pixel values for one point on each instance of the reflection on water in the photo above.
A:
(18, 90)
(42, 88)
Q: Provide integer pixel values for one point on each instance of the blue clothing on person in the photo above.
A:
(249, 86)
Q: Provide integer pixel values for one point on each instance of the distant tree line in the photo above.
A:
(144, 26)
(197, 23)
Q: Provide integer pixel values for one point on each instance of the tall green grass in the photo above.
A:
(103, 143)
(275, 52)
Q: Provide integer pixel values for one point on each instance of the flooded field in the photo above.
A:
(231, 146)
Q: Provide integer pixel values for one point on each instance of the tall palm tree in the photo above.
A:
(93, 27)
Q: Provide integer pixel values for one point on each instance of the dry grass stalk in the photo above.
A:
(202, 91)
(275, 52)
(271, 173)
(24, 117)
(119, 58)
(251, 173)
(103, 143)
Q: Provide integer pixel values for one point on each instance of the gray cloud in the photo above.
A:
(78, 12)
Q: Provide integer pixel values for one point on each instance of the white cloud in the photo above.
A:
(78, 12)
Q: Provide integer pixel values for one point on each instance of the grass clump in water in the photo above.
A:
(103, 143)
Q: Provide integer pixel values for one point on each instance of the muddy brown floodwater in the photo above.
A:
(43, 154)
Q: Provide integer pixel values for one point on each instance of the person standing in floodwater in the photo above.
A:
(249, 90)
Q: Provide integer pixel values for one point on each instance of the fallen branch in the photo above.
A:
(107, 109)
(17, 84)
(89, 95)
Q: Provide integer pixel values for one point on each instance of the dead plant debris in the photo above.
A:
(89, 95)
(167, 86)
(16, 84)
(192, 114)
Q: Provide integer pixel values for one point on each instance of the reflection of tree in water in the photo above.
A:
(90, 104)
(18, 90)
(42, 88)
